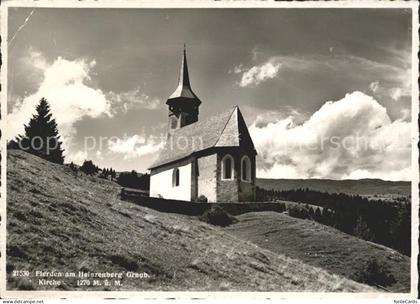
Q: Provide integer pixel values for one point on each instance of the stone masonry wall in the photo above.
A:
(207, 177)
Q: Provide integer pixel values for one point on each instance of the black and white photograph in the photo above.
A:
(209, 147)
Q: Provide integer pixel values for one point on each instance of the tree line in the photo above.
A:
(134, 180)
(383, 222)
(126, 179)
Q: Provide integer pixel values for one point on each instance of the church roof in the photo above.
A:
(227, 129)
(183, 92)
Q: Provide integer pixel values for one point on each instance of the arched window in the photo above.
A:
(175, 178)
(245, 169)
(227, 167)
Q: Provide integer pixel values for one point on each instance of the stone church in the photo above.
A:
(211, 159)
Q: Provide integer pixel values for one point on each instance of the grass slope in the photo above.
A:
(59, 221)
(320, 245)
(361, 187)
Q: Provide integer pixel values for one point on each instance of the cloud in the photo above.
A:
(349, 138)
(260, 73)
(99, 155)
(65, 85)
(374, 86)
(36, 59)
(395, 93)
(78, 157)
(395, 80)
(272, 116)
(122, 102)
(236, 69)
(135, 146)
(69, 89)
(387, 81)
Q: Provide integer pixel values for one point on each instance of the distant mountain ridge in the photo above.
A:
(349, 186)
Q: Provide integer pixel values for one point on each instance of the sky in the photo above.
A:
(311, 83)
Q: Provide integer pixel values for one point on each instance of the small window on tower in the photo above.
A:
(174, 122)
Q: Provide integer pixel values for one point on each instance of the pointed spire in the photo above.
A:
(184, 78)
(183, 89)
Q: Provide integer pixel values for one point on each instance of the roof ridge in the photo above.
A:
(223, 130)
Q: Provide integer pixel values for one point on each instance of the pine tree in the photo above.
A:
(41, 135)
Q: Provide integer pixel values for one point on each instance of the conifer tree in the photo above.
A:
(41, 135)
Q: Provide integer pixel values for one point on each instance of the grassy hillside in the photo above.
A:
(61, 221)
(361, 187)
(320, 245)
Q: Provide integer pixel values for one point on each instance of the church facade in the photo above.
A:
(211, 159)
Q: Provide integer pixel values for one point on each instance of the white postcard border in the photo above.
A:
(412, 5)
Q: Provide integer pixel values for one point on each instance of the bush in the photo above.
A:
(202, 199)
(88, 167)
(73, 167)
(218, 217)
(376, 273)
(13, 145)
(298, 212)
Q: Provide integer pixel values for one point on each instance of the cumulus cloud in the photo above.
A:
(395, 93)
(68, 87)
(36, 59)
(122, 102)
(65, 86)
(257, 74)
(135, 146)
(349, 138)
(79, 157)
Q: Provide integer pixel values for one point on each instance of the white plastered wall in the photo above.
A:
(161, 184)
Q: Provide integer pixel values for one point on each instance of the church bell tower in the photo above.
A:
(183, 103)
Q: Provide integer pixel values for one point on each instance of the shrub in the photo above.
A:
(73, 167)
(218, 217)
(202, 199)
(88, 167)
(12, 145)
(376, 273)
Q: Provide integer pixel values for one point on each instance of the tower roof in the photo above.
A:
(183, 92)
